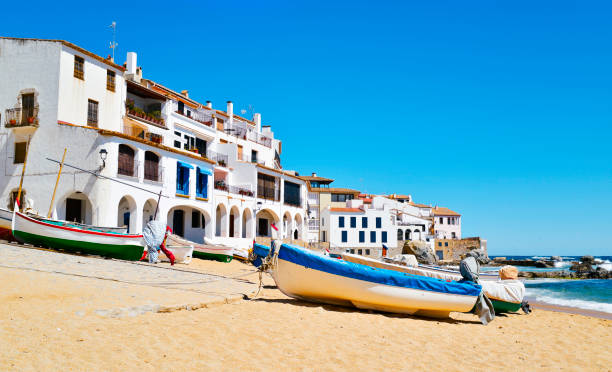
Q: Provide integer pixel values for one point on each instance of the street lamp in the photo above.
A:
(103, 154)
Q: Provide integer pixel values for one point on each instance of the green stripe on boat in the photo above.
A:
(123, 252)
(505, 307)
(212, 256)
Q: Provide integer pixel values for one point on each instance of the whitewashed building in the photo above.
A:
(447, 223)
(358, 229)
(219, 174)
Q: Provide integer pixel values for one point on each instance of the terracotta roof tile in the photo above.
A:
(442, 211)
(350, 210)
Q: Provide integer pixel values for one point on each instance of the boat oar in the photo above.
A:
(25, 161)
(56, 182)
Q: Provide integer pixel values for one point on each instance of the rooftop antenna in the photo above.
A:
(113, 44)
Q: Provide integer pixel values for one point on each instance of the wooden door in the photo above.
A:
(178, 222)
(73, 210)
(240, 152)
(27, 107)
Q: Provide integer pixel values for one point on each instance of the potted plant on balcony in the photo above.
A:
(12, 122)
(194, 150)
(222, 163)
(31, 120)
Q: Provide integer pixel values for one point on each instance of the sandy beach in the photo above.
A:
(66, 312)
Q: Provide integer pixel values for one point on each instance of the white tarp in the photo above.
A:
(154, 233)
(504, 290)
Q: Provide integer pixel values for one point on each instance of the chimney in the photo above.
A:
(131, 63)
(230, 111)
(257, 120)
(209, 104)
(185, 93)
(314, 174)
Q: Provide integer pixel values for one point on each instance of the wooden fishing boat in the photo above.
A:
(204, 251)
(312, 276)
(182, 253)
(506, 295)
(6, 218)
(88, 240)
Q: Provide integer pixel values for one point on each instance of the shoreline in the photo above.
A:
(569, 310)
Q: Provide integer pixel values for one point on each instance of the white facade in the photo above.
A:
(143, 153)
(447, 225)
(359, 230)
(413, 222)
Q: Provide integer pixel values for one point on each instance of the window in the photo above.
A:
(372, 236)
(448, 220)
(400, 234)
(20, 152)
(340, 221)
(362, 237)
(344, 237)
(353, 221)
(384, 237)
(195, 219)
(92, 113)
(323, 239)
(28, 109)
(360, 251)
(292, 195)
(79, 68)
(181, 108)
(378, 222)
(201, 184)
(367, 251)
(446, 244)
(110, 80)
(353, 251)
(439, 244)
(441, 220)
(364, 222)
(125, 161)
(267, 187)
(341, 197)
(453, 235)
(182, 179)
(151, 167)
(253, 156)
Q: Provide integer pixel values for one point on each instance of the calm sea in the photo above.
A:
(590, 294)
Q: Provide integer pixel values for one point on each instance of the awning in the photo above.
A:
(204, 171)
(184, 165)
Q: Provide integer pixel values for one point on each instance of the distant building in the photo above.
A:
(447, 224)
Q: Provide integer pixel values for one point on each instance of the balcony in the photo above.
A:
(143, 134)
(221, 185)
(269, 193)
(202, 116)
(313, 224)
(21, 117)
(135, 112)
(221, 159)
(244, 191)
(259, 138)
(250, 159)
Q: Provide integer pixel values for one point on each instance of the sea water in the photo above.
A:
(589, 294)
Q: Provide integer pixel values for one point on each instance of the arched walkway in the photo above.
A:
(265, 217)
(298, 227)
(247, 223)
(221, 220)
(407, 234)
(191, 223)
(416, 235)
(287, 225)
(148, 211)
(126, 213)
(234, 223)
(400, 234)
(75, 207)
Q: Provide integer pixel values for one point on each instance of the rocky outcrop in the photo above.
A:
(542, 264)
(600, 273)
(555, 258)
(421, 251)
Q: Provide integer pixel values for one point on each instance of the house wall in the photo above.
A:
(445, 230)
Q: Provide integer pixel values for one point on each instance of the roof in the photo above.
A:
(335, 190)
(316, 178)
(420, 205)
(442, 211)
(285, 173)
(395, 196)
(349, 210)
(75, 47)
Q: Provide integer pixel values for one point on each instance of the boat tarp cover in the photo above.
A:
(319, 262)
(153, 234)
(504, 290)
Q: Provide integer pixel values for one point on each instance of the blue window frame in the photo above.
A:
(201, 184)
(182, 178)
(353, 221)
(372, 236)
(362, 237)
(340, 221)
(344, 237)
(378, 222)
(384, 236)
(364, 222)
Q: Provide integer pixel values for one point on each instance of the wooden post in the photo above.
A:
(157, 206)
(56, 183)
(25, 161)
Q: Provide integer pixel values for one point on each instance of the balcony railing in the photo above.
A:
(259, 138)
(219, 158)
(250, 159)
(221, 185)
(142, 133)
(127, 167)
(241, 191)
(313, 225)
(153, 117)
(269, 193)
(200, 115)
(21, 117)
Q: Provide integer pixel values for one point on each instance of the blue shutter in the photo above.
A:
(384, 236)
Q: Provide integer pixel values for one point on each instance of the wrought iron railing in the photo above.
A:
(142, 133)
(219, 158)
(241, 190)
(21, 117)
(202, 116)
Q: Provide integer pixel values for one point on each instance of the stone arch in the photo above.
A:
(73, 206)
(287, 225)
(264, 218)
(298, 226)
(193, 224)
(234, 223)
(407, 234)
(247, 223)
(221, 220)
(126, 213)
(148, 211)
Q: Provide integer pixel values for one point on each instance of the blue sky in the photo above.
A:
(501, 111)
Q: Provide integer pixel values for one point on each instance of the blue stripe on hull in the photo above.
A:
(303, 257)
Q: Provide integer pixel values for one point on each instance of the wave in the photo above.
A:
(607, 266)
(580, 304)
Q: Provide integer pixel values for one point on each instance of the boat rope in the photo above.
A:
(268, 263)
